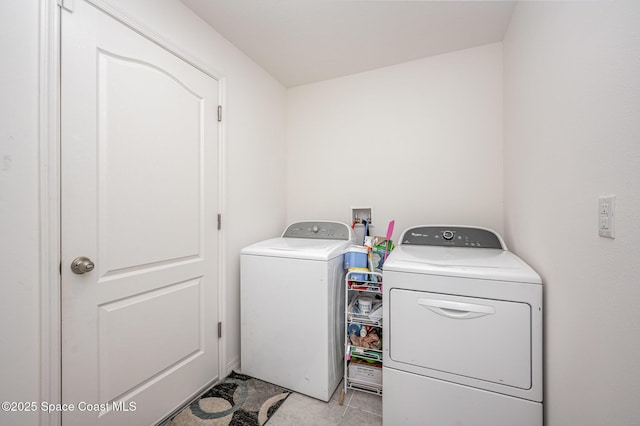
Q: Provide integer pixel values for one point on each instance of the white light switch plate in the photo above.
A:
(607, 216)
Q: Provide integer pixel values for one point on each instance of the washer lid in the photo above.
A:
(465, 262)
(298, 248)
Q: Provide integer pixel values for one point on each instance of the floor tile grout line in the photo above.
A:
(363, 410)
(348, 404)
(344, 413)
(345, 404)
(368, 412)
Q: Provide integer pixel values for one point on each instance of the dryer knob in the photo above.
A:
(315, 229)
(447, 235)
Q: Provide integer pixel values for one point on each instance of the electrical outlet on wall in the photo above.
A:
(606, 216)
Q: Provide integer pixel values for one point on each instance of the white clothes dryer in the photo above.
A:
(292, 307)
(463, 331)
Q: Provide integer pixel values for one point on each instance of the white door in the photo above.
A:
(139, 199)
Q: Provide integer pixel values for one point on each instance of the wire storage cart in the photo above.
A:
(363, 332)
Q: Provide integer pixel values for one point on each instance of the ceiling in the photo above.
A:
(304, 41)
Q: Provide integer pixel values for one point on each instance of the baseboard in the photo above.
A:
(233, 365)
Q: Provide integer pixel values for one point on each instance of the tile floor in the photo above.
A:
(359, 408)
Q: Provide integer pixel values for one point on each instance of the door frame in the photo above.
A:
(50, 196)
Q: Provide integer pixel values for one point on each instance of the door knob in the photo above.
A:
(82, 264)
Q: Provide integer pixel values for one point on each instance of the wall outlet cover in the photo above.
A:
(606, 216)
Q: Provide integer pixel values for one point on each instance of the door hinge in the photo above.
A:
(66, 5)
(219, 112)
(219, 330)
(219, 221)
(60, 268)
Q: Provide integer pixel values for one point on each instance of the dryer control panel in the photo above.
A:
(319, 231)
(452, 236)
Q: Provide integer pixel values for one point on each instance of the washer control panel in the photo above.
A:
(318, 231)
(452, 236)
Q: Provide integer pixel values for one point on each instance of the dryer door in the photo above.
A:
(484, 339)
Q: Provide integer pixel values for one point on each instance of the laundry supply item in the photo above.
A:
(355, 257)
(372, 312)
(361, 276)
(365, 372)
(370, 340)
(364, 304)
(389, 235)
(354, 329)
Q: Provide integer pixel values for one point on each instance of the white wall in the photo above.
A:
(572, 133)
(19, 209)
(420, 142)
(254, 206)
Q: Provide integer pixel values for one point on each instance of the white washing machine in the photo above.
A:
(463, 331)
(292, 308)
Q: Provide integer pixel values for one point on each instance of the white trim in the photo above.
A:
(222, 240)
(66, 4)
(158, 39)
(49, 169)
(234, 364)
